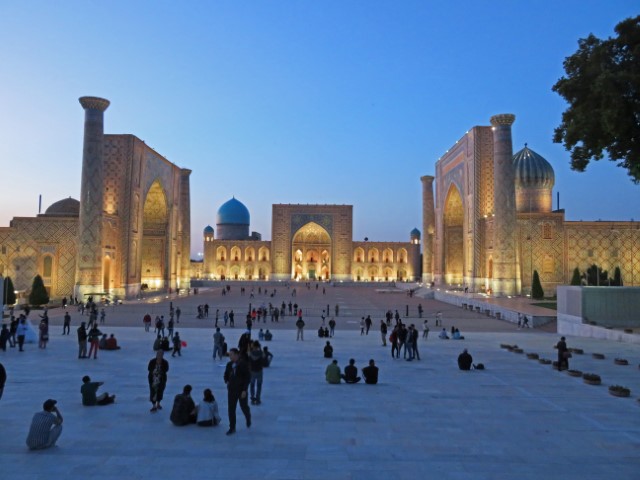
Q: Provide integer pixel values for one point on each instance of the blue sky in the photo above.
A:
(294, 101)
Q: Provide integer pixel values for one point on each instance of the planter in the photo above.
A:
(591, 379)
(593, 323)
(533, 356)
(598, 356)
(577, 351)
(517, 350)
(592, 382)
(574, 373)
(621, 361)
(504, 345)
(628, 330)
(618, 391)
(544, 361)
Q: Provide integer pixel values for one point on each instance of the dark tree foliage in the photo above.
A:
(576, 279)
(38, 295)
(536, 287)
(617, 278)
(597, 277)
(602, 88)
(9, 292)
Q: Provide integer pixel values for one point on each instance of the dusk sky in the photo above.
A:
(294, 101)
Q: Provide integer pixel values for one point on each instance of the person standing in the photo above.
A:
(94, 341)
(66, 327)
(563, 355)
(367, 322)
(3, 379)
(157, 377)
(332, 326)
(43, 336)
(383, 332)
(177, 345)
(237, 377)
(82, 341)
(425, 329)
(21, 332)
(178, 312)
(256, 363)
(218, 341)
(46, 427)
(300, 328)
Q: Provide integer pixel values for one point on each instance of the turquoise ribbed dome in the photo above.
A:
(415, 233)
(208, 229)
(232, 212)
(532, 170)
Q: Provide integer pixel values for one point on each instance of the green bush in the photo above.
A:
(9, 292)
(576, 279)
(536, 288)
(38, 295)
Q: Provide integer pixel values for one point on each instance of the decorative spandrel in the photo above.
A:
(300, 219)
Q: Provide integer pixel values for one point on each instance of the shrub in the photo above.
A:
(9, 292)
(38, 295)
(536, 288)
(576, 279)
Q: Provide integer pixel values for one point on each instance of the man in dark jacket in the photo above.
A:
(465, 360)
(237, 378)
(184, 408)
(351, 372)
(256, 363)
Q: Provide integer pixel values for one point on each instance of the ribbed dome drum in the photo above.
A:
(232, 221)
(534, 179)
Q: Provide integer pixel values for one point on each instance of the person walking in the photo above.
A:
(237, 378)
(94, 341)
(256, 363)
(157, 377)
(82, 340)
(66, 326)
(383, 332)
(218, 341)
(563, 355)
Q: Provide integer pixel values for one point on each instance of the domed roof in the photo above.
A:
(415, 233)
(67, 207)
(232, 212)
(208, 229)
(532, 170)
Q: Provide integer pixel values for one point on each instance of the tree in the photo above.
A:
(596, 276)
(38, 295)
(9, 292)
(617, 278)
(576, 279)
(536, 288)
(602, 88)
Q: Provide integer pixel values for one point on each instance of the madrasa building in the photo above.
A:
(129, 231)
(308, 242)
(488, 222)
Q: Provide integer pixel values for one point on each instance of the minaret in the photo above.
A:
(185, 215)
(89, 261)
(505, 281)
(428, 228)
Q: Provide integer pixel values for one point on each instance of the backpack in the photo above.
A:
(479, 366)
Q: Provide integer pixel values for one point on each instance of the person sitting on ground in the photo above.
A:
(267, 356)
(443, 335)
(268, 336)
(102, 344)
(89, 392)
(351, 372)
(46, 427)
(465, 360)
(456, 335)
(157, 344)
(261, 335)
(328, 350)
(184, 408)
(370, 373)
(332, 373)
(320, 332)
(112, 343)
(326, 332)
(207, 415)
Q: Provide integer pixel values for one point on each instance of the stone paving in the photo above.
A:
(426, 419)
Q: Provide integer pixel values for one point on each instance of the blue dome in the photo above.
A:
(532, 170)
(208, 229)
(232, 212)
(415, 233)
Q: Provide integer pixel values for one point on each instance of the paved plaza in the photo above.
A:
(425, 419)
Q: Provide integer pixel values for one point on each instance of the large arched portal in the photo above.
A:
(311, 253)
(453, 237)
(154, 238)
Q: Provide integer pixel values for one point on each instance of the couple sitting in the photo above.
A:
(185, 411)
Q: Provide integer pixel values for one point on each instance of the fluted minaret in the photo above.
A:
(89, 262)
(505, 281)
(428, 228)
(185, 216)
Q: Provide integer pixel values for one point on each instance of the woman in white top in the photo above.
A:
(208, 411)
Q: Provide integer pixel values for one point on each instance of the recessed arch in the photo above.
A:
(155, 245)
(311, 252)
(453, 236)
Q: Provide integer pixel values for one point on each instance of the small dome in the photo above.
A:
(67, 207)
(532, 170)
(232, 212)
(208, 229)
(415, 233)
